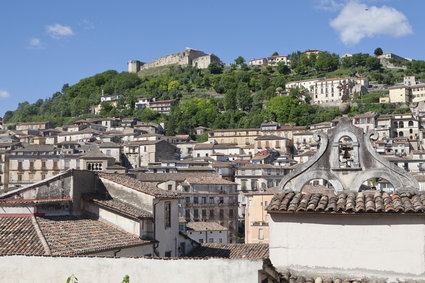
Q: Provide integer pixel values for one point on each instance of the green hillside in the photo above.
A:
(218, 97)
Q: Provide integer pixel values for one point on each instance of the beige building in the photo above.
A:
(33, 126)
(141, 153)
(399, 94)
(256, 216)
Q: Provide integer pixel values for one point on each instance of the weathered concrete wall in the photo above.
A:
(129, 195)
(386, 245)
(168, 237)
(55, 269)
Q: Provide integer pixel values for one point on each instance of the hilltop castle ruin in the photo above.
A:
(187, 57)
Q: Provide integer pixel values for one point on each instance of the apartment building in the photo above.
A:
(256, 216)
(141, 153)
(210, 199)
(331, 91)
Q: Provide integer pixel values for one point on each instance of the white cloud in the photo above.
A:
(86, 24)
(357, 21)
(4, 94)
(57, 31)
(329, 5)
(35, 42)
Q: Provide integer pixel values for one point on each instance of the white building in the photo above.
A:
(207, 232)
(330, 91)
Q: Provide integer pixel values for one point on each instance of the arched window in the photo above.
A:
(400, 134)
(395, 125)
(410, 123)
(401, 125)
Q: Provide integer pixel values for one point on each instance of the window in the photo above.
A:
(195, 214)
(31, 165)
(220, 240)
(260, 234)
(211, 214)
(204, 213)
(195, 200)
(211, 200)
(20, 177)
(19, 165)
(204, 200)
(201, 241)
(187, 199)
(43, 176)
(210, 240)
(170, 187)
(221, 214)
(167, 214)
(43, 164)
(55, 164)
(221, 200)
(231, 213)
(167, 254)
(187, 214)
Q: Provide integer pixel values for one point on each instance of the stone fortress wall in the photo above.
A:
(187, 57)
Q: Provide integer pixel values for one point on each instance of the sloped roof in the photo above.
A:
(205, 226)
(352, 202)
(18, 236)
(144, 187)
(71, 235)
(234, 251)
(116, 205)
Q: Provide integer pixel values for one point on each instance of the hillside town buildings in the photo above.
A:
(245, 201)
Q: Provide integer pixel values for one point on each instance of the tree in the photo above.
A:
(243, 96)
(378, 51)
(215, 68)
(240, 60)
(275, 53)
(282, 68)
(230, 100)
(373, 63)
(327, 62)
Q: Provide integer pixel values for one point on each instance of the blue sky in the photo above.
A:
(45, 44)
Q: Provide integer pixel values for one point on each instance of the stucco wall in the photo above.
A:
(54, 269)
(389, 245)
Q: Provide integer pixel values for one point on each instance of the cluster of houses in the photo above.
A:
(219, 181)
(130, 191)
(160, 106)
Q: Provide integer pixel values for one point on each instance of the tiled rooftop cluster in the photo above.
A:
(361, 202)
(60, 235)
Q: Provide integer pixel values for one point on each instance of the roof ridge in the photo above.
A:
(40, 235)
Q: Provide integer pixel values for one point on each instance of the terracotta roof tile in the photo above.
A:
(109, 203)
(247, 251)
(144, 187)
(70, 235)
(361, 202)
(205, 226)
(18, 236)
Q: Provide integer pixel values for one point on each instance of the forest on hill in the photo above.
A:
(233, 96)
